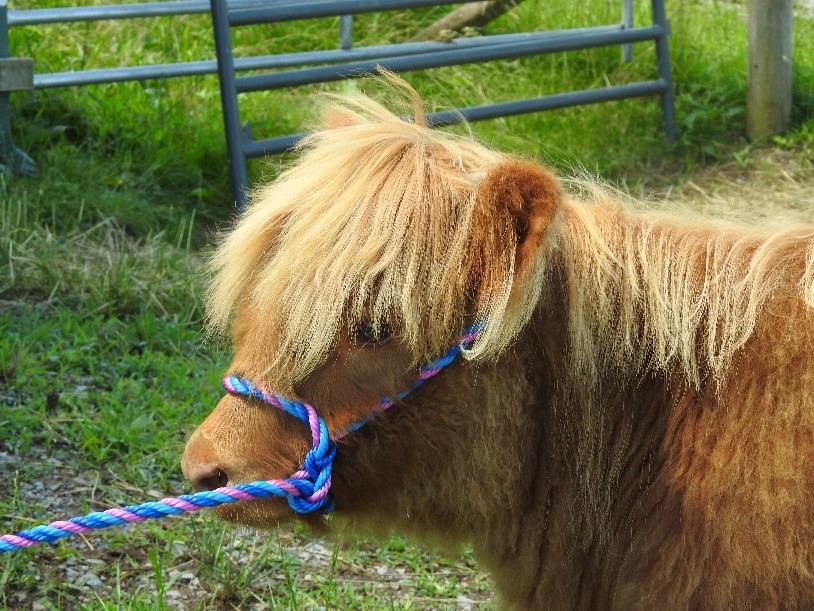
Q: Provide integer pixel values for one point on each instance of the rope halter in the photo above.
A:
(309, 488)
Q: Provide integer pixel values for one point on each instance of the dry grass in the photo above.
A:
(103, 267)
(770, 182)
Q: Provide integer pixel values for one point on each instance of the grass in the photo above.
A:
(103, 366)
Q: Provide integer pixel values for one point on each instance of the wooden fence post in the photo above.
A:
(768, 101)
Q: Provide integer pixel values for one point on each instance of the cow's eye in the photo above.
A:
(368, 333)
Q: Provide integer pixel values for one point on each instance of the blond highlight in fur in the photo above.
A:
(379, 221)
(652, 291)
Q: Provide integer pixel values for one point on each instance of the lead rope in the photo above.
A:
(306, 490)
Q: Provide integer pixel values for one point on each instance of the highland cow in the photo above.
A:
(632, 427)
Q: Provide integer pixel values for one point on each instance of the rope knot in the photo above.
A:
(309, 488)
(317, 462)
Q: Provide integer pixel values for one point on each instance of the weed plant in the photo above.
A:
(103, 365)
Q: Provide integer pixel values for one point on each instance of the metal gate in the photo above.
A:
(327, 65)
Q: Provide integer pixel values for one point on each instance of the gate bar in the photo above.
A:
(260, 148)
(445, 58)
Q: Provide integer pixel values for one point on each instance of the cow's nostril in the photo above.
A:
(208, 477)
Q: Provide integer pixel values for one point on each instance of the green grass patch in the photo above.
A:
(123, 392)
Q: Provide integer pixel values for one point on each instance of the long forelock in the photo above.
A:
(373, 223)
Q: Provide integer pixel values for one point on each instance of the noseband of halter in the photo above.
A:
(309, 488)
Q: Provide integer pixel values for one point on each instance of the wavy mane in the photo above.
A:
(652, 290)
(378, 220)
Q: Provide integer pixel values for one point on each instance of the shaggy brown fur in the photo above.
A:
(635, 428)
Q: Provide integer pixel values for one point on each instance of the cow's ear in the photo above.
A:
(522, 198)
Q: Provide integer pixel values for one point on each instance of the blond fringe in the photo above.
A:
(375, 223)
